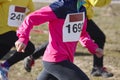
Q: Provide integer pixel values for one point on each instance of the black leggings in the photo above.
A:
(99, 37)
(39, 51)
(7, 41)
(64, 70)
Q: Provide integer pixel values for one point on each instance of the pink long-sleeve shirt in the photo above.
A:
(57, 50)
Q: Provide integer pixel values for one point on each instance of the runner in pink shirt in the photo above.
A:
(67, 25)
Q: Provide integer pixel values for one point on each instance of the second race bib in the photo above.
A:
(16, 15)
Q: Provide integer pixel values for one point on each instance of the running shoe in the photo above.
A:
(101, 71)
(3, 73)
(28, 63)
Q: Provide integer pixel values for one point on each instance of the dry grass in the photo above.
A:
(108, 19)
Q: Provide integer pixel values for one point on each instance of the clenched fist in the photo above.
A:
(99, 52)
(20, 46)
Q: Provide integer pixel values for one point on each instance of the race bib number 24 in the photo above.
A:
(16, 15)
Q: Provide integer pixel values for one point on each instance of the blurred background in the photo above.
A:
(108, 18)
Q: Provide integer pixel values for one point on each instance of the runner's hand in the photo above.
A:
(99, 52)
(20, 46)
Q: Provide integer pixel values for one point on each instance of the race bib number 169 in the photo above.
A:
(73, 26)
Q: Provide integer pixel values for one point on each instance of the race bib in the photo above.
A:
(73, 26)
(16, 15)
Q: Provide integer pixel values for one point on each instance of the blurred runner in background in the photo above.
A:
(12, 13)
